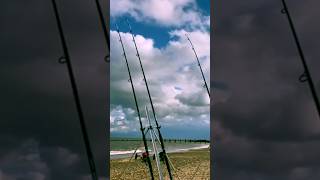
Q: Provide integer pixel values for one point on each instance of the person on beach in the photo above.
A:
(144, 156)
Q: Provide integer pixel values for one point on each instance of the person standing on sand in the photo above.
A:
(144, 156)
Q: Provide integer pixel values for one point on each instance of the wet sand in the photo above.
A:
(193, 164)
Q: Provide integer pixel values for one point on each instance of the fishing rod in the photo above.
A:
(66, 59)
(104, 28)
(306, 76)
(136, 103)
(152, 107)
(195, 53)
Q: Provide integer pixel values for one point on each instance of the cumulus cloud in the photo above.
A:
(123, 119)
(164, 12)
(173, 76)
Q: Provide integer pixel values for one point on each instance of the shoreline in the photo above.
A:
(124, 154)
(187, 164)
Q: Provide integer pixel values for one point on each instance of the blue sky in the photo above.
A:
(158, 33)
(155, 31)
(174, 78)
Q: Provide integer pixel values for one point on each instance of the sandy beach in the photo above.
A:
(192, 164)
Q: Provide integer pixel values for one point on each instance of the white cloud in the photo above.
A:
(172, 72)
(163, 12)
(123, 119)
(173, 76)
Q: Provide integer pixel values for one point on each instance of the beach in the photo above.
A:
(188, 164)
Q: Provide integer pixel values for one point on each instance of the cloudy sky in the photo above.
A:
(40, 137)
(265, 122)
(174, 79)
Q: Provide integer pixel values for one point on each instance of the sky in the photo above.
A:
(174, 78)
(265, 121)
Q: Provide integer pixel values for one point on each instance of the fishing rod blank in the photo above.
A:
(104, 28)
(66, 59)
(136, 103)
(152, 107)
(204, 79)
(306, 76)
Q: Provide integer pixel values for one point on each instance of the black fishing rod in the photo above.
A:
(136, 103)
(195, 53)
(152, 107)
(306, 76)
(66, 59)
(104, 28)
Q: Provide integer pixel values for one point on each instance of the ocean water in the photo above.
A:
(124, 149)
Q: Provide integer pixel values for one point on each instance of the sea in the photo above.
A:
(126, 149)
